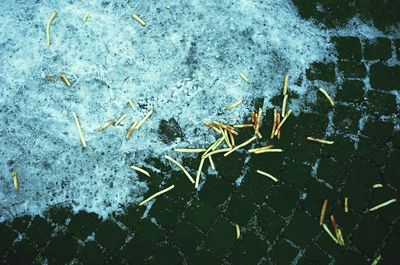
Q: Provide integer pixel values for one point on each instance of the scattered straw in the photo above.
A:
(323, 91)
(234, 105)
(382, 205)
(65, 80)
(52, 17)
(78, 125)
(378, 185)
(187, 150)
(282, 122)
(261, 148)
(198, 173)
(86, 16)
(323, 210)
(346, 204)
(321, 141)
(376, 260)
(267, 175)
(285, 85)
(140, 170)
(284, 105)
(237, 231)
(131, 129)
(243, 126)
(157, 194)
(330, 233)
(274, 124)
(244, 78)
(181, 167)
(216, 152)
(131, 104)
(138, 19)
(211, 162)
(272, 150)
(15, 180)
(241, 145)
(142, 121)
(120, 119)
(106, 125)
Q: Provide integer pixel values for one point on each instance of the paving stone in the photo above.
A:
(166, 212)
(321, 71)
(392, 170)
(271, 223)
(208, 195)
(110, 236)
(231, 166)
(378, 49)
(346, 119)
(166, 255)
(397, 48)
(384, 77)
(352, 69)
(21, 223)
(304, 151)
(256, 187)
(169, 131)
(376, 230)
(283, 252)
(202, 257)
(389, 213)
(58, 214)
(61, 249)
(202, 215)
(92, 254)
(380, 103)
(296, 174)
(348, 48)
(186, 237)
(350, 257)
(379, 131)
(222, 237)
(332, 172)
(341, 151)
(313, 255)
(316, 194)
(39, 231)
(301, 229)
(240, 209)
(83, 224)
(283, 200)
(351, 91)
(131, 215)
(362, 173)
(390, 253)
(7, 236)
(373, 151)
(249, 250)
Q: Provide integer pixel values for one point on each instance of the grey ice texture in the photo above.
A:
(185, 63)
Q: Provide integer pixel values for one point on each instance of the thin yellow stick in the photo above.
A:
(243, 126)
(78, 125)
(131, 104)
(244, 78)
(187, 150)
(198, 173)
(225, 133)
(275, 150)
(267, 175)
(106, 125)
(284, 105)
(216, 152)
(181, 167)
(140, 170)
(237, 232)
(382, 205)
(321, 141)
(376, 260)
(323, 91)
(15, 180)
(65, 80)
(131, 129)
(120, 119)
(234, 105)
(211, 162)
(240, 145)
(86, 16)
(329, 233)
(282, 122)
(52, 17)
(274, 124)
(144, 119)
(378, 185)
(346, 204)
(261, 148)
(323, 210)
(156, 194)
(138, 19)
(285, 86)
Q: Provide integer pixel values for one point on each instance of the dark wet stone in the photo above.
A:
(83, 224)
(202, 257)
(351, 91)
(376, 230)
(169, 130)
(222, 237)
(391, 250)
(384, 77)
(313, 255)
(249, 250)
(202, 215)
(352, 69)
(131, 215)
(166, 255)
(23, 252)
(381, 103)
(7, 236)
(208, 195)
(271, 223)
(316, 194)
(305, 151)
(230, 167)
(258, 103)
(255, 187)
(110, 236)
(378, 130)
(373, 151)
(350, 257)
(332, 171)
(347, 221)
(397, 47)
(166, 212)
(91, 254)
(385, 13)
(186, 237)
(378, 49)
(321, 71)
(61, 249)
(283, 200)
(39, 231)
(58, 214)
(21, 223)
(346, 119)
(301, 229)
(283, 252)
(362, 173)
(296, 174)
(348, 48)
(341, 151)
(311, 124)
(392, 170)
(240, 210)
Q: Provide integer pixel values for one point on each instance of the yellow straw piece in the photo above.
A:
(285, 86)
(15, 180)
(211, 162)
(382, 205)
(106, 125)
(78, 125)
(321, 141)
(240, 145)
(65, 80)
(52, 17)
(282, 122)
(140, 170)
(267, 175)
(156, 194)
(226, 138)
(86, 16)
(346, 204)
(237, 232)
(245, 78)
(323, 210)
(243, 126)
(284, 105)
(181, 167)
(272, 150)
(216, 152)
(340, 237)
(198, 173)
(142, 121)
(213, 146)
(187, 150)
(261, 148)
(274, 124)
(234, 105)
(131, 129)
(138, 19)
(378, 185)
(376, 260)
(329, 233)
(120, 119)
(323, 91)
(131, 104)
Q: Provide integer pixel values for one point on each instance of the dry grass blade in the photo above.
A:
(181, 167)
(78, 125)
(323, 210)
(140, 170)
(241, 145)
(138, 19)
(52, 17)
(157, 194)
(267, 175)
(323, 91)
(106, 125)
